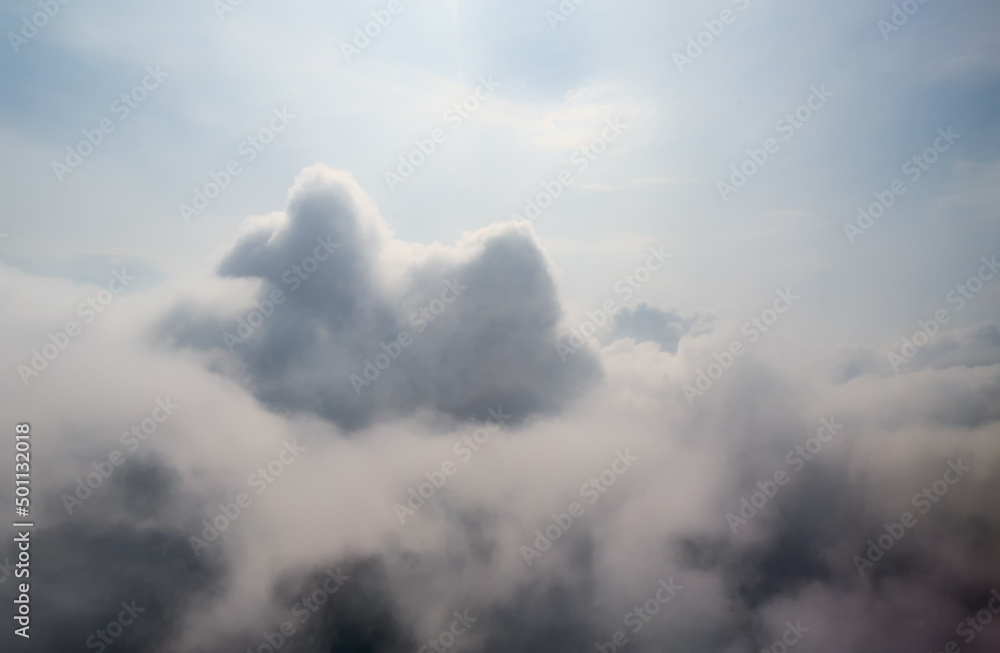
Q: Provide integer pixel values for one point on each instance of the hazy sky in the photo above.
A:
(601, 198)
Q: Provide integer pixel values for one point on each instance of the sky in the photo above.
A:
(553, 326)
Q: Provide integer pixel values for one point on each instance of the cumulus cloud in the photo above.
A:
(368, 326)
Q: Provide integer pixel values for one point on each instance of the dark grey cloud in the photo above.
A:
(324, 612)
(665, 327)
(977, 345)
(850, 361)
(803, 542)
(480, 323)
(974, 346)
(131, 551)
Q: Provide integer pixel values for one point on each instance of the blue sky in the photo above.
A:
(558, 86)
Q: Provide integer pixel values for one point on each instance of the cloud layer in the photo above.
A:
(555, 532)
